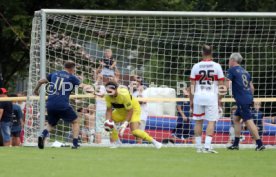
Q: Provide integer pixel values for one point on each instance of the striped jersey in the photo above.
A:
(206, 73)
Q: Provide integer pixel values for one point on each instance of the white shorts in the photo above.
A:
(207, 112)
(107, 72)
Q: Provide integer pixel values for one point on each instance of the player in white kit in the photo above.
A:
(206, 76)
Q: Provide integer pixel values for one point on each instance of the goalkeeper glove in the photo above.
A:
(123, 128)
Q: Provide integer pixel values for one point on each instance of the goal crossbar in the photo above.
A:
(157, 13)
(139, 99)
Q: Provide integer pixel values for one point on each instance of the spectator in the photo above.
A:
(231, 129)
(22, 104)
(108, 68)
(81, 112)
(89, 124)
(182, 129)
(257, 116)
(273, 120)
(5, 118)
(108, 64)
(27, 121)
(139, 92)
(100, 110)
(17, 123)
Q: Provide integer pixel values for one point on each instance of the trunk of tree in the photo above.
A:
(1, 76)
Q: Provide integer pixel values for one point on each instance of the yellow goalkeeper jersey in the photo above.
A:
(123, 101)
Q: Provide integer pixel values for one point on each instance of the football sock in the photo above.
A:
(236, 141)
(114, 135)
(198, 142)
(259, 142)
(208, 141)
(118, 141)
(141, 134)
(45, 133)
(75, 142)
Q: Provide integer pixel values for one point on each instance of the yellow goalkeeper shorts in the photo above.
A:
(120, 115)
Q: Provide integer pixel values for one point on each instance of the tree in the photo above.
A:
(16, 17)
(14, 40)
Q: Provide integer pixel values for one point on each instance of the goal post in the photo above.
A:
(158, 46)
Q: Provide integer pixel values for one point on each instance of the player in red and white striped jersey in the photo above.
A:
(206, 76)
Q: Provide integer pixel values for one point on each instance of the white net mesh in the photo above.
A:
(161, 50)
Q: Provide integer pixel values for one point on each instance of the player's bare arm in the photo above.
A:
(87, 88)
(99, 94)
(222, 92)
(181, 113)
(113, 65)
(228, 83)
(108, 113)
(21, 122)
(192, 91)
(38, 85)
(252, 88)
(1, 113)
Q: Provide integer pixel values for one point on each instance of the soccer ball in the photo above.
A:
(109, 125)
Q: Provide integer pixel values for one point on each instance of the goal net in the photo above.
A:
(154, 52)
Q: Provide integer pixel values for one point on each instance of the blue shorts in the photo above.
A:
(66, 114)
(16, 128)
(6, 131)
(244, 111)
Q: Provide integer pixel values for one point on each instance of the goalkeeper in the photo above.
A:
(127, 110)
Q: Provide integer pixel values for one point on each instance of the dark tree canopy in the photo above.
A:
(16, 20)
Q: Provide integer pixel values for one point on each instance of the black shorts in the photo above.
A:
(16, 134)
(66, 114)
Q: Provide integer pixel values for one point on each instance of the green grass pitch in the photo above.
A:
(135, 162)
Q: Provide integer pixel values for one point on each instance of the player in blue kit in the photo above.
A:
(60, 86)
(243, 89)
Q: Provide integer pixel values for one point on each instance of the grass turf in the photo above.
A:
(134, 162)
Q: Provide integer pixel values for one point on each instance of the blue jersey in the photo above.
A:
(61, 85)
(240, 84)
(185, 106)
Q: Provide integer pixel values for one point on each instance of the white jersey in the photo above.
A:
(100, 102)
(144, 108)
(206, 73)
